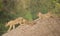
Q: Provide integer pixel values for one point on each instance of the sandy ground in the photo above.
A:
(46, 27)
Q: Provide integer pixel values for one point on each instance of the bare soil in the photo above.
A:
(43, 27)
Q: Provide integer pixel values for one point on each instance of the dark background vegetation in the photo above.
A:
(11, 9)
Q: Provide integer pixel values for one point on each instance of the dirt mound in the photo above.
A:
(46, 27)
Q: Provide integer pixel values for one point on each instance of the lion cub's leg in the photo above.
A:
(10, 28)
(13, 26)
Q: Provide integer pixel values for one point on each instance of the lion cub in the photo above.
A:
(12, 23)
(47, 15)
(44, 16)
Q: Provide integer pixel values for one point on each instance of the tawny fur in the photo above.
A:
(44, 16)
(40, 15)
(12, 23)
(47, 15)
